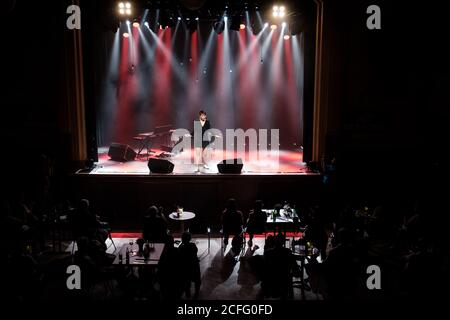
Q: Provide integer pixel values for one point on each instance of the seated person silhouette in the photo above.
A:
(256, 222)
(191, 265)
(155, 226)
(279, 265)
(341, 267)
(87, 224)
(169, 275)
(231, 221)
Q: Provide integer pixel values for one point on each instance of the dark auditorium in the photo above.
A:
(229, 158)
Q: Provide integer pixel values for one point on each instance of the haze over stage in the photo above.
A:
(270, 163)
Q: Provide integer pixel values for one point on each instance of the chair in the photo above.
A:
(201, 229)
(238, 245)
(208, 234)
(300, 258)
(264, 232)
(112, 241)
(242, 234)
(61, 230)
(75, 235)
(232, 223)
(256, 224)
(107, 228)
(208, 230)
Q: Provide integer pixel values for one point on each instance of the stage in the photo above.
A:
(255, 163)
(249, 78)
(121, 192)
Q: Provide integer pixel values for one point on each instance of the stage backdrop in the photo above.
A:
(166, 76)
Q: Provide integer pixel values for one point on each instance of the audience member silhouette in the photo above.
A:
(231, 221)
(170, 274)
(87, 224)
(315, 233)
(256, 222)
(155, 227)
(340, 267)
(237, 244)
(86, 258)
(279, 265)
(191, 265)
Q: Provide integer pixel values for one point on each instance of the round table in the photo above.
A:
(186, 215)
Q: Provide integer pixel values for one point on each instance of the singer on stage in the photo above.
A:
(200, 143)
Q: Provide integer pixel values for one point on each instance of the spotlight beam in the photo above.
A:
(206, 54)
(275, 70)
(167, 54)
(148, 48)
(177, 26)
(244, 58)
(266, 44)
(108, 100)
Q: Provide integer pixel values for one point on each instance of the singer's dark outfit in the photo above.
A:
(205, 127)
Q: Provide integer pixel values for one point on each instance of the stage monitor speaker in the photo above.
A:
(230, 166)
(160, 165)
(121, 152)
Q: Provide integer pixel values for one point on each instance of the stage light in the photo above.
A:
(219, 26)
(127, 22)
(273, 27)
(283, 24)
(136, 24)
(192, 26)
(253, 21)
(146, 24)
(278, 11)
(172, 23)
(124, 8)
(286, 37)
(242, 26)
(236, 22)
(266, 25)
(225, 18)
(126, 35)
(166, 21)
(121, 6)
(196, 19)
(179, 18)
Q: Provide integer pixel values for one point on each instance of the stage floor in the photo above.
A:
(267, 163)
